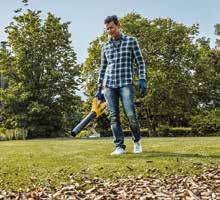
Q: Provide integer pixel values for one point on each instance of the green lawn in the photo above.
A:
(29, 163)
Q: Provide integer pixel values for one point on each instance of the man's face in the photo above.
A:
(112, 29)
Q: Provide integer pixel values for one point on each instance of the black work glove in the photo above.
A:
(142, 87)
(99, 94)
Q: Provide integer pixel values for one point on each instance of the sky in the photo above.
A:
(87, 16)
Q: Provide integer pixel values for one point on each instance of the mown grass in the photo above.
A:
(29, 163)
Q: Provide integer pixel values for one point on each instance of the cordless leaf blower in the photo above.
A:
(98, 107)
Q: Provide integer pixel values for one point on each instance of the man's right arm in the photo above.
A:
(102, 68)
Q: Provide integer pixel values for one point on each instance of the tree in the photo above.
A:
(3, 79)
(217, 32)
(42, 75)
(206, 76)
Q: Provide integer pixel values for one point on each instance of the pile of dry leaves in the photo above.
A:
(203, 186)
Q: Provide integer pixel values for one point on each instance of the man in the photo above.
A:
(116, 80)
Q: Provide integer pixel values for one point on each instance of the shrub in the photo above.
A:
(163, 131)
(3, 137)
(180, 131)
(166, 131)
(13, 134)
(84, 133)
(206, 123)
(20, 134)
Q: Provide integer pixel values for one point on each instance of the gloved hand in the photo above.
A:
(142, 87)
(99, 94)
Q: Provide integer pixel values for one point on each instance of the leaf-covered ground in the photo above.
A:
(203, 186)
(84, 167)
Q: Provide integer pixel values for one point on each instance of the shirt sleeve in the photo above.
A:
(139, 59)
(102, 67)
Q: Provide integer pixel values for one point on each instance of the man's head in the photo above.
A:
(112, 26)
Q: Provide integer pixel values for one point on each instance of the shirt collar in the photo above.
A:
(122, 37)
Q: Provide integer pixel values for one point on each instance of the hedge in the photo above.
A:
(160, 132)
(13, 134)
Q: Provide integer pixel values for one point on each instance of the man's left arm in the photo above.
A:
(139, 59)
(141, 68)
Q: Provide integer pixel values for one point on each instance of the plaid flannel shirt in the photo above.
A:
(117, 62)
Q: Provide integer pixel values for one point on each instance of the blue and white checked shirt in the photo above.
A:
(117, 62)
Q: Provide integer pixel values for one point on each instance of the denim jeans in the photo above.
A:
(126, 95)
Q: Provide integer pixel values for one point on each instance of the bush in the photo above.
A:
(180, 131)
(127, 132)
(84, 133)
(206, 123)
(13, 134)
(163, 131)
(3, 137)
(2, 130)
(20, 134)
(10, 134)
(166, 131)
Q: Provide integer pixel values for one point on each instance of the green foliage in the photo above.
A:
(206, 77)
(165, 131)
(42, 73)
(84, 133)
(13, 134)
(207, 122)
(162, 131)
(217, 29)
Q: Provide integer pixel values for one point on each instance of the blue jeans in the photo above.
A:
(126, 95)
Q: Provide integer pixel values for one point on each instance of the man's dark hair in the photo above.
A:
(112, 18)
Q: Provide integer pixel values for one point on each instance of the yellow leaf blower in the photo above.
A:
(98, 107)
